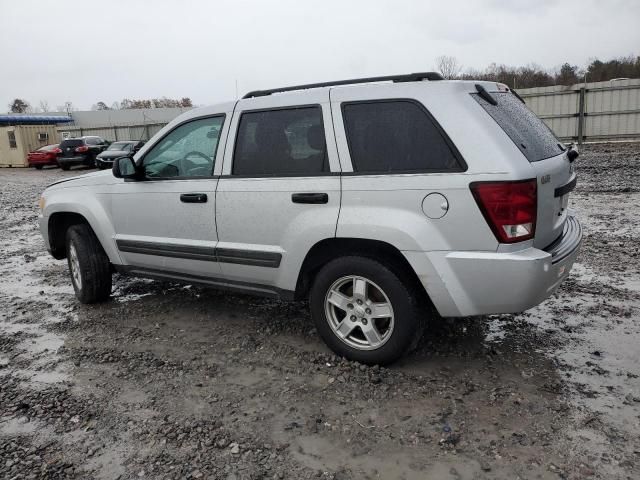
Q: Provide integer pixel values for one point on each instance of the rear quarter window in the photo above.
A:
(396, 136)
(530, 134)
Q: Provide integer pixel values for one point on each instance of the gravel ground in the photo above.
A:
(171, 381)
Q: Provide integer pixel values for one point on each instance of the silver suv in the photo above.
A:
(377, 199)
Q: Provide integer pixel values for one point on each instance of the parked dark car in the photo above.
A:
(80, 151)
(126, 148)
(46, 155)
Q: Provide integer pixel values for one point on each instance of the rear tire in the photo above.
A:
(88, 265)
(38, 167)
(64, 166)
(379, 317)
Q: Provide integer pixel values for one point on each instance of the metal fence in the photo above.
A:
(589, 111)
(115, 132)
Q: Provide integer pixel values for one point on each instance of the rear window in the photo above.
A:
(47, 148)
(396, 136)
(71, 143)
(530, 134)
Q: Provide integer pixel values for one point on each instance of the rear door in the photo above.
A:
(280, 189)
(547, 156)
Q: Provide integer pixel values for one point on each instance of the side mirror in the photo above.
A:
(125, 167)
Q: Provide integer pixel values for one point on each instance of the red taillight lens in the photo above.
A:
(57, 150)
(510, 208)
(82, 149)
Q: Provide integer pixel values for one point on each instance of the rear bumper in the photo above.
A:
(479, 283)
(80, 160)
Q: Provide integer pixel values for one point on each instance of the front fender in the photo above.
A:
(90, 206)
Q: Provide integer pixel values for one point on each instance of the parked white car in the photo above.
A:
(376, 199)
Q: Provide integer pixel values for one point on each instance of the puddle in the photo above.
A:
(18, 426)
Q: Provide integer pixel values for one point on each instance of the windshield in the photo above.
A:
(120, 146)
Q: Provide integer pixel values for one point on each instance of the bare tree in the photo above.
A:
(44, 106)
(448, 66)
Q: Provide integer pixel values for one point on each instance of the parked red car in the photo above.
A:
(46, 155)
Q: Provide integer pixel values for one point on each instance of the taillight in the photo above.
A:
(510, 208)
(82, 149)
(57, 150)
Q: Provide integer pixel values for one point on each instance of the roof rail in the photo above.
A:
(411, 77)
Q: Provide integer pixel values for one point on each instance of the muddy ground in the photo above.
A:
(172, 381)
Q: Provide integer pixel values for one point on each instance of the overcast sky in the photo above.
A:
(87, 51)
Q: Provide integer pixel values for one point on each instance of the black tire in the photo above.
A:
(408, 309)
(64, 166)
(38, 167)
(94, 267)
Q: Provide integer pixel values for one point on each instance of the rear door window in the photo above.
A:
(396, 136)
(530, 134)
(287, 141)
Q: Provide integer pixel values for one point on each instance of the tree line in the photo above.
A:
(528, 76)
(533, 75)
(20, 105)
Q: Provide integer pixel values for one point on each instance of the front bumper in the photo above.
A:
(105, 162)
(463, 284)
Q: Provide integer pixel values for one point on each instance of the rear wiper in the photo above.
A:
(517, 95)
(485, 95)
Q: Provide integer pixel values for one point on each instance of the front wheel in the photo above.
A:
(364, 310)
(64, 166)
(88, 265)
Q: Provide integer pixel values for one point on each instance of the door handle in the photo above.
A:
(193, 197)
(314, 198)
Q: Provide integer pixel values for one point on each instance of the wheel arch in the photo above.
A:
(59, 223)
(57, 226)
(331, 248)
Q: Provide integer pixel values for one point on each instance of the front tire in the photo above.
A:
(64, 166)
(88, 265)
(365, 311)
(38, 167)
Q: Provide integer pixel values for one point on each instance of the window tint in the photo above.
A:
(281, 142)
(530, 134)
(92, 141)
(395, 136)
(188, 151)
(70, 143)
(12, 139)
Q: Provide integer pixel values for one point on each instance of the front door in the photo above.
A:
(280, 189)
(166, 222)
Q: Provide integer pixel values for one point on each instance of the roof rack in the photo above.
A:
(411, 77)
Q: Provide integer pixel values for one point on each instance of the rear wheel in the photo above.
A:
(38, 167)
(364, 310)
(88, 265)
(64, 166)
